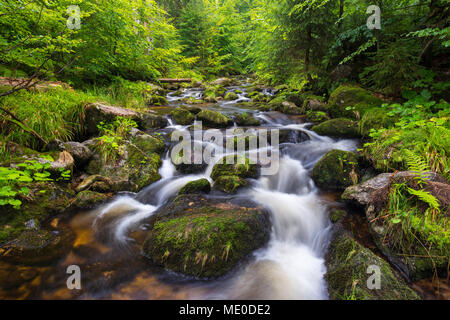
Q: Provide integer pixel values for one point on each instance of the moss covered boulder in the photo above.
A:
(400, 225)
(235, 166)
(341, 128)
(197, 186)
(375, 118)
(133, 165)
(88, 200)
(337, 170)
(182, 116)
(231, 96)
(148, 121)
(317, 116)
(206, 238)
(229, 184)
(290, 108)
(156, 100)
(214, 119)
(348, 272)
(350, 101)
(246, 120)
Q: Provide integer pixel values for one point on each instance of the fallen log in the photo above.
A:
(168, 80)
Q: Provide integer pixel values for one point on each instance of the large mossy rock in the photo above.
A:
(206, 238)
(415, 256)
(348, 262)
(290, 108)
(134, 167)
(197, 186)
(45, 199)
(88, 200)
(337, 170)
(214, 119)
(37, 247)
(97, 112)
(246, 120)
(182, 116)
(230, 96)
(230, 172)
(375, 118)
(349, 101)
(341, 128)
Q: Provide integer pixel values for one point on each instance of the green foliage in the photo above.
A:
(133, 39)
(54, 114)
(15, 180)
(112, 136)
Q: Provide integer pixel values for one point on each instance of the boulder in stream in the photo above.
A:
(337, 170)
(206, 238)
(414, 252)
(350, 266)
(182, 116)
(214, 119)
(341, 128)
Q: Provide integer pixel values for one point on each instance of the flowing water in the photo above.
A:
(291, 266)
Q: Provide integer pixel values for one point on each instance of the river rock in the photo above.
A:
(197, 186)
(224, 82)
(350, 101)
(413, 259)
(231, 96)
(214, 119)
(337, 170)
(88, 200)
(148, 121)
(291, 108)
(206, 238)
(341, 128)
(134, 166)
(375, 118)
(348, 273)
(246, 120)
(97, 112)
(182, 116)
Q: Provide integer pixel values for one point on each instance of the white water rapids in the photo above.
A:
(291, 266)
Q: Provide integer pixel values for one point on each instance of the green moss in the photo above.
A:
(347, 264)
(241, 167)
(350, 101)
(375, 118)
(214, 119)
(87, 200)
(317, 116)
(245, 120)
(337, 170)
(198, 186)
(231, 96)
(183, 116)
(336, 215)
(207, 242)
(342, 127)
(229, 184)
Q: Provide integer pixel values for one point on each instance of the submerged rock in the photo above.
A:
(206, 238)
(337, 170)
(349, 270)
(37, 247)
(341, 127)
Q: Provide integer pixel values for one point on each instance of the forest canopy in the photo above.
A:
(294, 42)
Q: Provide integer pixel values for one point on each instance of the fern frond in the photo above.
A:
(426, 197)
